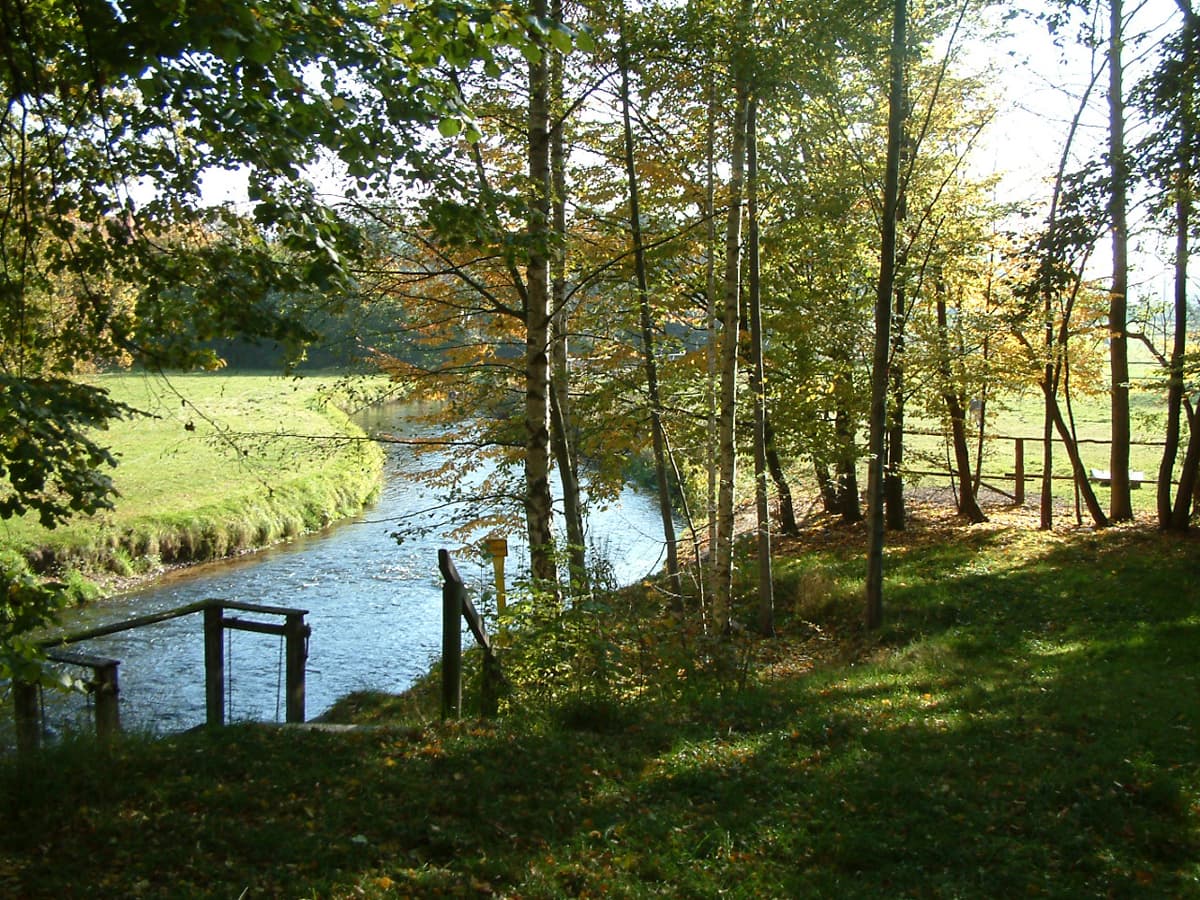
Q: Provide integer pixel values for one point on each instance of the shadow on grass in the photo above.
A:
(1030, 726)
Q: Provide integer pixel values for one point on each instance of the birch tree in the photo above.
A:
(646, 322)
(722, 556)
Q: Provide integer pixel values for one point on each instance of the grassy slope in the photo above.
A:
(210, 470)
(1027, 724)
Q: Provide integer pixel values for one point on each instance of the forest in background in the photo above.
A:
(722, 235)
(713, 234)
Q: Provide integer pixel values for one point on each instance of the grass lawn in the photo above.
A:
(1026, 724)
(216, 463)
(1020, 417)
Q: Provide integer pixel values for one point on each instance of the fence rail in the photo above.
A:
(456, 606)
(1018, 474)
(104, 684)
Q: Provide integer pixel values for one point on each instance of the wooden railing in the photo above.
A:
(1018, 475)
(104, 684)
(456, 606)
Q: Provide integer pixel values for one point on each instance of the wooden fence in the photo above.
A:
(456, 606)
(104, 684)
(1018, 475)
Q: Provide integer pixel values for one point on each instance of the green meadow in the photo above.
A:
(210, 465)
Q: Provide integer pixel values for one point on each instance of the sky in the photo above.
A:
(1039, 86)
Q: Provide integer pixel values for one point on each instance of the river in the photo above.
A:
(374, 606)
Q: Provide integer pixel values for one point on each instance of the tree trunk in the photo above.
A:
(1120, 501)
(846, 468)
(826, 486)
(562, 434)
(647, 325)
(893, 479)
(1189, 481)
(1046, 504)
(1175, 390)
(710, 297)
(1175, 383)
(1081, 474)
(766, 590)
(730, 329)
(539, 508)
(883, 313)
(787, 509)
(568, 473)
(967, 503)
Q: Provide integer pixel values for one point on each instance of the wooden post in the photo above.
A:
(107, 698)
(1019, 470)
(28, 718)
(498, 548)
(452, 606)
(492, 679)
(296, 637)
(214, 665)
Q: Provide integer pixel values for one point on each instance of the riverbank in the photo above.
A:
(1024, 724)
(216, 465)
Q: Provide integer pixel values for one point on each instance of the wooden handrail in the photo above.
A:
(294, 631)
(165, 616)
(457, 605)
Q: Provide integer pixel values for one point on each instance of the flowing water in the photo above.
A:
(374, 606)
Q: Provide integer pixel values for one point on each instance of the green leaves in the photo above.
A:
(560, 40)
(449, 127)
(49, 462)
(26, 602)
(558, 36)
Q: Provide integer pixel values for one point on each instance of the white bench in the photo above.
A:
(1104, 478)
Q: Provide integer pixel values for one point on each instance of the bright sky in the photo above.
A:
(1041, 85)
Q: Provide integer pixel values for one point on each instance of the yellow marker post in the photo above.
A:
(498, 547)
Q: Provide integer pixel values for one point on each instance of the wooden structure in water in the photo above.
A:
(104, 683)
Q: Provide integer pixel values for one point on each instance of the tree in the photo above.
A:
(907, 286)
(883, 307)
(646, 321)
(539, 509)
(957, 413)
(731, 308)
(766, 587)
(1049, 296)
(562, 433)
(1168, 96)
(113, 115)
(1120, 502)
(1188, 166)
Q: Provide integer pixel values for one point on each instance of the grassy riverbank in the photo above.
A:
(1026, 724)
(217, 464)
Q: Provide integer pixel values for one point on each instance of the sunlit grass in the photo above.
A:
(1026, 724)
(212, 464)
